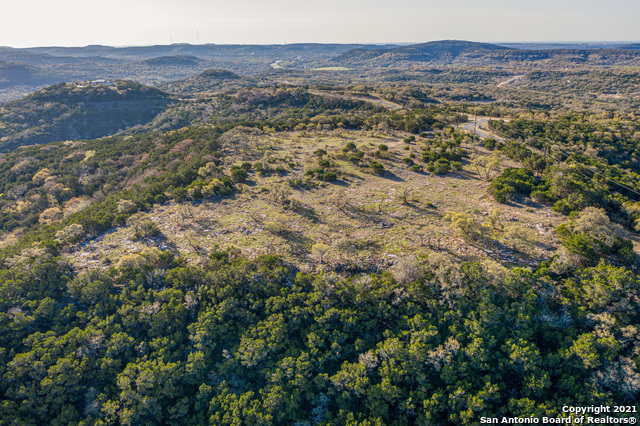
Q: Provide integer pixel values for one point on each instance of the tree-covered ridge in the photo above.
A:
(78, 111)
(67, 177)
(255, 342)
(16, 73)
(209, 81)
(466, 53)
(177, 60)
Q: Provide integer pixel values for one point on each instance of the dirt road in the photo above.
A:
(373, 100)
(482, 124)
(512, 80)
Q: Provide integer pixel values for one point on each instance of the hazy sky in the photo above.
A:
(142, 22)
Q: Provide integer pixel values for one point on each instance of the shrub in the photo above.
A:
(466, 226)
(581, 244)
(71, 234)
(383, 147)
(356, 157)
(208, 170)
(440, 167)
(179, 194)
(52, 214)
(120, 219)
(195, 192)
(127, 207)
(329, 177)
(131, 261)
(489, 143)
(542, 196)
(216, 187)
(512, 181)
(407, 161)
(349, 147)
(415, 168)
(238, 175)
(504, 194)
(626, 253)
(143, 226)
(377, 168)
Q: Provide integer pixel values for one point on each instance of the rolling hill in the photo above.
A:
(15, 73)
(212, 80)
(78, 111)
(466, 53)
(173, 61)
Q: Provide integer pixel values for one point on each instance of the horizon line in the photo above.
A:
(325, 43)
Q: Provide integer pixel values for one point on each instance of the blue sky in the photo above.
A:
(142, 22)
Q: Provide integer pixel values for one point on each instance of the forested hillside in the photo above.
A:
(78, 111)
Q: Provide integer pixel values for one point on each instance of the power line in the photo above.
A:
(589, 178)
(563, 152)
(502, 135)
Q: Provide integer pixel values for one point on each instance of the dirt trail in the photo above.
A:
(512, 80)
(373, 100)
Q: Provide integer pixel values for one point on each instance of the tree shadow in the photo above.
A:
(304, 210)
(427, 209)
(459, 174)
(161, 242)
(392, 176)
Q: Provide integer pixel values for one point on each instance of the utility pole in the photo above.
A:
(457, 121)
(475, 122)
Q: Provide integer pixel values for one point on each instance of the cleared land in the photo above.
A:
(363, 219)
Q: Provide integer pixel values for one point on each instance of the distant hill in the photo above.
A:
(215, 74)
(78, 111)
(445, 50)
(173, 61)
(312, 51)
(37, 58)
(632, 46)
(466, 53)
(213, 80)
(449, 48)
(14, 73)
(558, 46)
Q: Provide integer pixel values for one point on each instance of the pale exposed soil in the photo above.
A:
(361, 217)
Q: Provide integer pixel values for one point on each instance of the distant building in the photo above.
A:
(95, 83)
